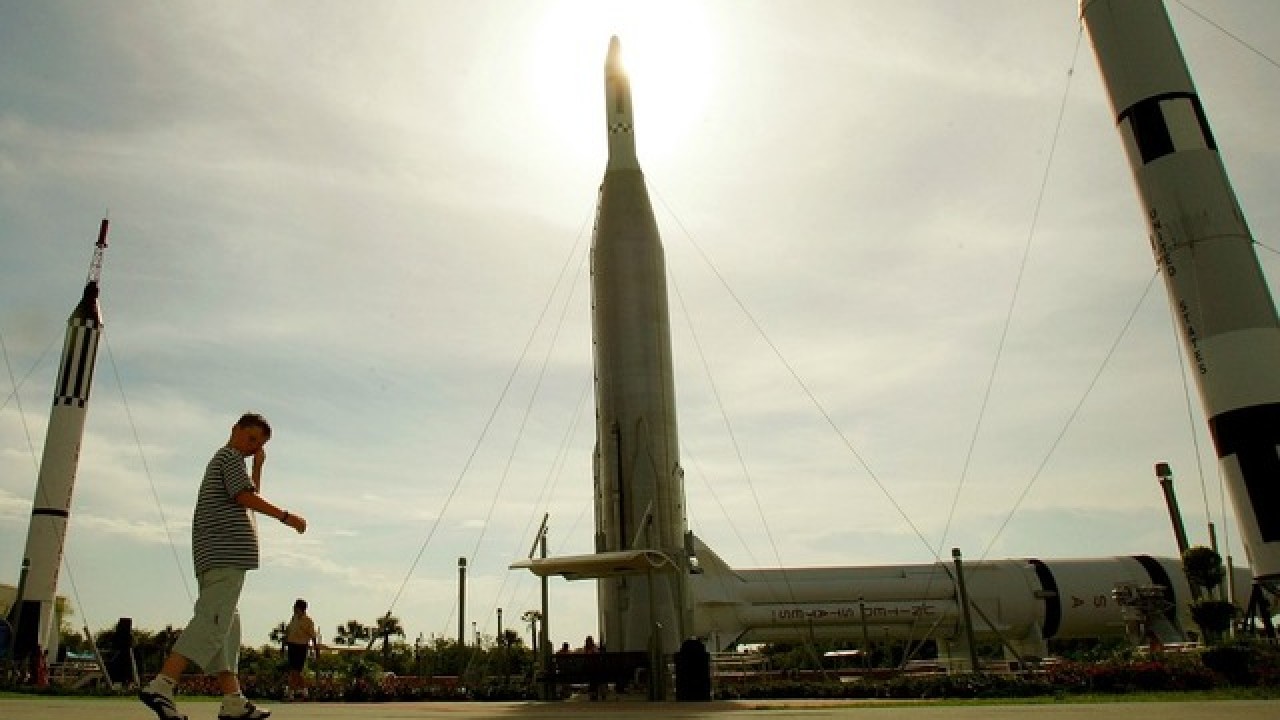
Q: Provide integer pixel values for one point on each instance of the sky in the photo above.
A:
(902, 239)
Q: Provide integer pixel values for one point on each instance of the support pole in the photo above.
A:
(1165, 476)
(544, 634)
(964, 606)
(462, 602)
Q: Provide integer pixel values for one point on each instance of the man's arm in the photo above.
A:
(257, 503)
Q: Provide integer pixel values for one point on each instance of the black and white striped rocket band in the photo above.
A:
(1252, 435)
(1165, 124)
(75, 374)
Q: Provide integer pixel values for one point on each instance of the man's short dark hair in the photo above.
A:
(251, 419)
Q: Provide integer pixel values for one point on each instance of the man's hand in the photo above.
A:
(297, 522)
(259, 459)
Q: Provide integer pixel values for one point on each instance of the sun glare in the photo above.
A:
(668, 48)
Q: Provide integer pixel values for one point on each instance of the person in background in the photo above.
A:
(594, 687)
(300, 639)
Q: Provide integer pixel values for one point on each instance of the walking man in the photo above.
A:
(224, 545)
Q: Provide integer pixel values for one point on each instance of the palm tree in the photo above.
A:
(278, 633)
(388, 625)
(351, 633)
(533, 617)
(510, 638)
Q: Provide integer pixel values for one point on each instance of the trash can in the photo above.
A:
(693, 672)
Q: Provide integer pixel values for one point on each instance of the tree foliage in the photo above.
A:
(1205, 573)
(1203, 567)
(278, 633)
(351, 633)
(387, 626)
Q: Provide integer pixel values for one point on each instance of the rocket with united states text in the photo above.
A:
(1203, 248)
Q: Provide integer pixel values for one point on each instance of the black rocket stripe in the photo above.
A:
(1159, 125)
(76, 375)
(1052, 600)
(55, 512)
(1158, 576)
(84, 370)
(1252, 434)
(64, 369)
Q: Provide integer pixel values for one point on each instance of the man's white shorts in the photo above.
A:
(212, 638)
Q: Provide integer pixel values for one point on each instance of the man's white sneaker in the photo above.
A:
(160, 702)
(249, 712)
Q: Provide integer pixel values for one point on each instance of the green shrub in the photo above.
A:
(1245, 663)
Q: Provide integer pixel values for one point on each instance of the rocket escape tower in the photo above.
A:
(33, 615)
(95, 265)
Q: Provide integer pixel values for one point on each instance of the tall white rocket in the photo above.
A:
(639, 484)
(51, 508)
(1204, 250)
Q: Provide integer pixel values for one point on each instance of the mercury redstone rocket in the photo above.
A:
(639, 485)
(1203, 248)
(36, 626)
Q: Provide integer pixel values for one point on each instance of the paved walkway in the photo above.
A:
(53, 708)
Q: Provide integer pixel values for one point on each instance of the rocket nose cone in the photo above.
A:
(613, 60)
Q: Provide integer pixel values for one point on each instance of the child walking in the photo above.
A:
(224, 546)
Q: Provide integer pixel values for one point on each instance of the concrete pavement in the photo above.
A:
(13, 707)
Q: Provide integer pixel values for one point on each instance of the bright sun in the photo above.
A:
(667, 48)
